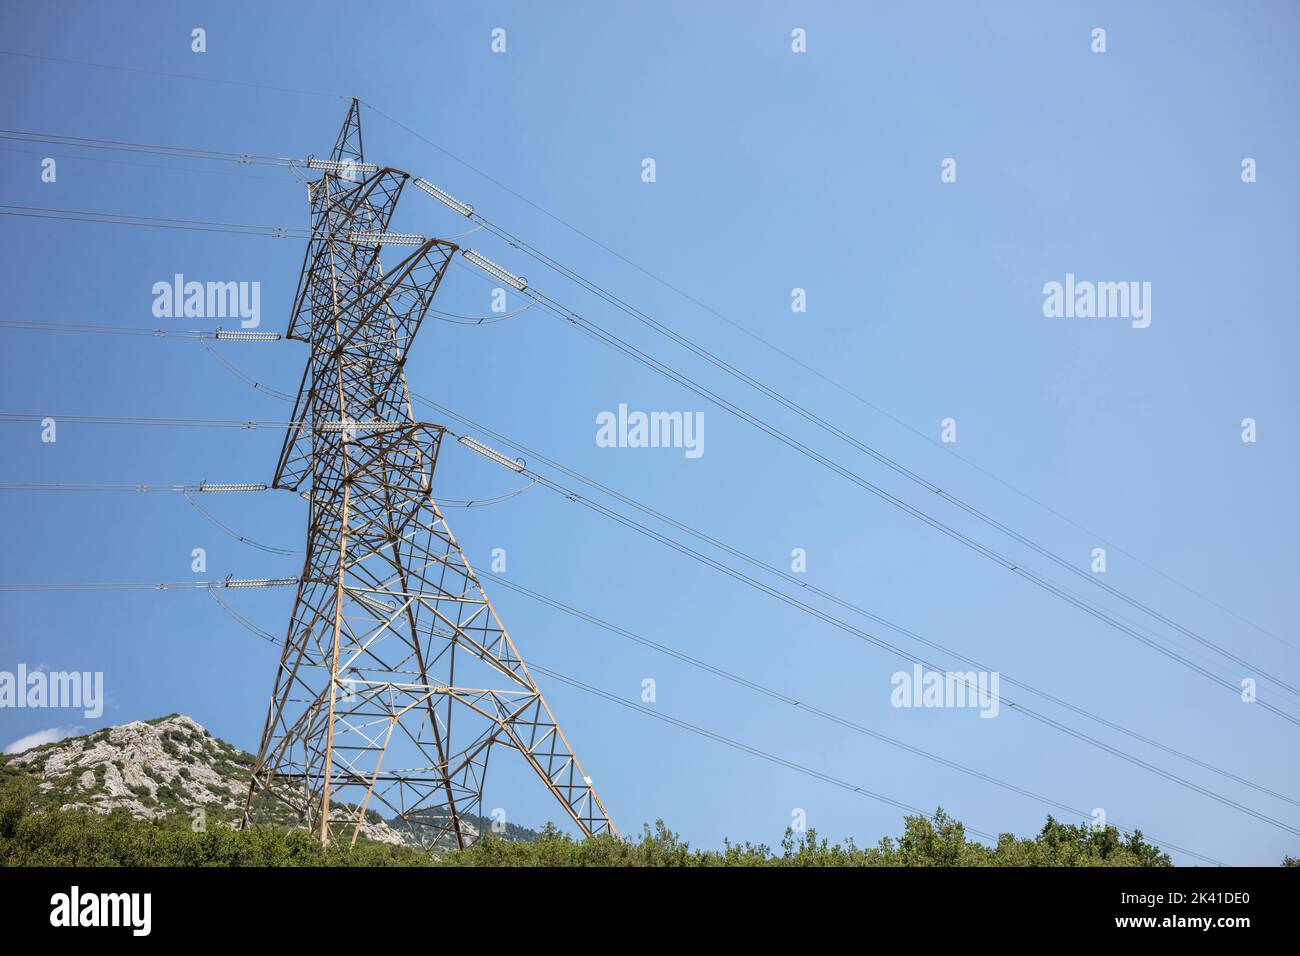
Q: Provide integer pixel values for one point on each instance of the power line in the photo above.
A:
(485, 502)
(152, 222)
(206, 487)
(251, 382)
(1064, 595)
(618, 344)
(560, 311)
(786, 698)
(569, 494)
(658, 515)
(1013, 569)
(765, 755)
(231, 335)
(177, 152)
(159, 587)
(212, 488)
(885, 645)
(530, 250)
(643, 358)
(129, 420)
(899, 652)
(716, 737)
(1197, 761)
(243, 621)
(753, 561)
(246, 424)
(754, 686)
(234, 534)
(444, 502)
(230, 583)
(1042, 718)
(773, 758)
(737, 745)
(237, 583)
(830, 596)
(167, 167)
(1029, 712)
(519, 243)
(459, 319)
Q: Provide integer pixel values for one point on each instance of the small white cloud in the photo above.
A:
(48, 736)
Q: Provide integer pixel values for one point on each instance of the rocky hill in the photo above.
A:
(161, 767)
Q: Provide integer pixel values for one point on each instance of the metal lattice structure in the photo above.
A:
(397, 680)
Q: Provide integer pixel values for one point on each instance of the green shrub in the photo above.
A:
(35, 836)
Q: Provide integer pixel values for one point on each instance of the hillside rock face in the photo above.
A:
(154, 769)
(149, 769)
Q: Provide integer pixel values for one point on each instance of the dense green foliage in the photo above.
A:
(32, 835)
(36, 836)
(940, 841)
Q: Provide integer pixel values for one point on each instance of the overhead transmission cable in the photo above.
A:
(231, 335)
(228, 583)
(618, 344)
(795, 702)
(236, 535)
(870, 638)
(925, 641)
(753, 561)
(609, 339)
(556, 266)
(716, 737)
(745, 682)
(601, 335)
(179, 152)
(443, 502)
(319, 93)
(1013, 566)
(646, 642)
(129, 420)
(201, 487)
(253, 383)
(153, 222)
(858, 609)
(773, 758)
(468, 211)
(248, 625)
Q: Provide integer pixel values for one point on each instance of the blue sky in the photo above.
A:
(775, 171)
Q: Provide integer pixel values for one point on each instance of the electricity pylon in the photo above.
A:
(397, 680)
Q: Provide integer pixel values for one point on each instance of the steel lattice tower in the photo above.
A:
(397, 680)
